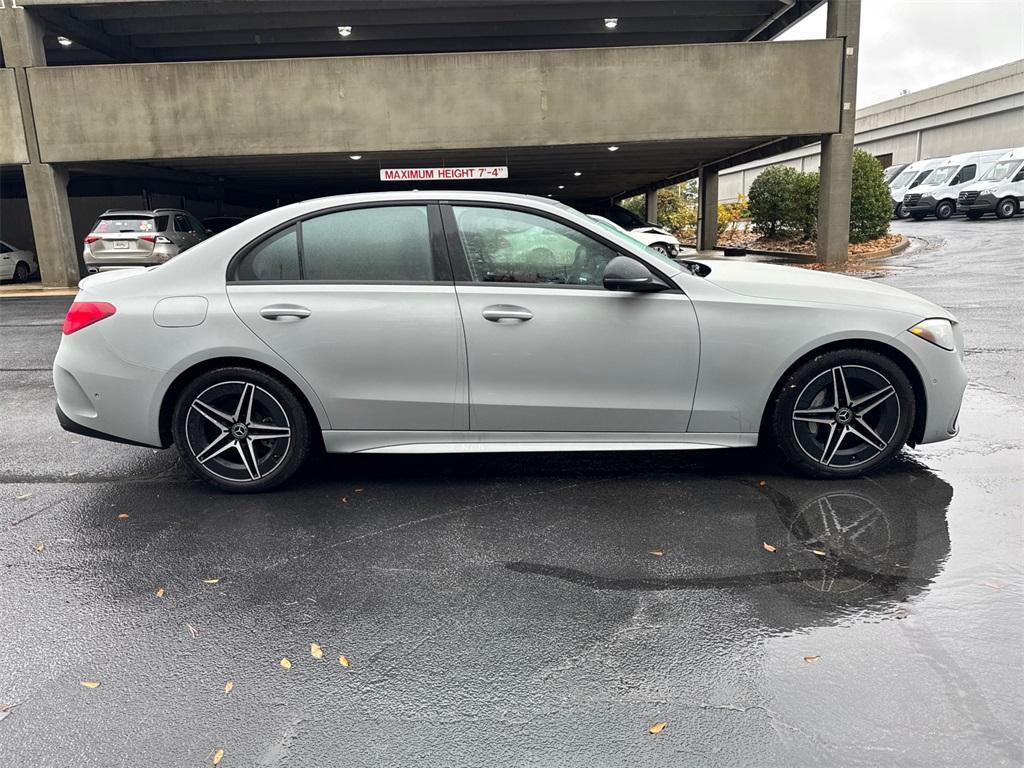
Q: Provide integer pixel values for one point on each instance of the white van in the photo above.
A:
(907, 179)
(1000, 190)
(940, 190)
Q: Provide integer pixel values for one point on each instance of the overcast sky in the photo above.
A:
(915, 44)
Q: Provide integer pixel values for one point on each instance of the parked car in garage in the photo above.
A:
(999, 191)
(121, 239)
(215, 224)
(937, 196)
(629, 221)
(909, 178)
(665, 244)
(411, 322)
(16, 264)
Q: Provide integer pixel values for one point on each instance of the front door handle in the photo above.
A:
(284, 311)
(498, 312)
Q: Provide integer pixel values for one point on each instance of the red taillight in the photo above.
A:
(92, 238)
(148, 238)
(83, 313)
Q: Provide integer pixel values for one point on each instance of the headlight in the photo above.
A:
(988, 191)
(937, 330)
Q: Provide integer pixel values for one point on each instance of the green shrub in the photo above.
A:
(870, 204)
(769, 198)
(801, 206)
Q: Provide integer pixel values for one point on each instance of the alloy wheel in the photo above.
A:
(846, 416)
(238, 431)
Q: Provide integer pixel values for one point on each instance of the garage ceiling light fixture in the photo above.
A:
(344, 31)
(611, 23)
(577, 173)
(613, 148)
(561, 186)
(65, 41)
(355, 157)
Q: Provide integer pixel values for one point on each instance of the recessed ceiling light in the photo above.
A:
(344, 31)
(561, 186)
(613, 148)
(65, 41)
(577, 173)
(611, 23)
(355, 157)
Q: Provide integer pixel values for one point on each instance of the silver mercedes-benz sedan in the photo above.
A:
(421, 322)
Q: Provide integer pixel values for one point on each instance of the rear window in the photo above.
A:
(126, 224)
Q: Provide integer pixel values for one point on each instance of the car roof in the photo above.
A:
(129, 212)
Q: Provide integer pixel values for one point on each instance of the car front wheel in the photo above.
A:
(844, 413)
(944, 210)
(21, 272)
(1006, 208)
(241, 429)
(662, 249)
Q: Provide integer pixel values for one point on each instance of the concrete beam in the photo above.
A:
(651, 205)
(707, 210)
(843, 22)
(12, 132)
(444, 101)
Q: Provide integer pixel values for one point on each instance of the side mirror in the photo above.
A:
(626, 274)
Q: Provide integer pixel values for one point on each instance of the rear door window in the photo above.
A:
(276, 258)
(180, 223)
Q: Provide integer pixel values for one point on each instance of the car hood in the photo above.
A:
(783, 283)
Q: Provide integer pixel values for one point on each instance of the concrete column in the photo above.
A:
(651, 199)
(843, 21)
(707, 210)
(21, 36)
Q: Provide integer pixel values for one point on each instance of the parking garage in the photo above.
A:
(229, 108)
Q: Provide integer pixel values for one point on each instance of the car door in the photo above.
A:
(361, 302)
(182, 232)
(7, 261)
(549, 349)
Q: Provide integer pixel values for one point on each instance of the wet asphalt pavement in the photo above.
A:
(514, 610)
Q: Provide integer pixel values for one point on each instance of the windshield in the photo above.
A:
(941, 175)
(891, 172)
(903, 179)
(124, 224)
(1001, 170)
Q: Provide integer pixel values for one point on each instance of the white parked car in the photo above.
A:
(913, 175)
(426, 322)
(16, 264)
(660, 240)
(938, 194)
(999, 191)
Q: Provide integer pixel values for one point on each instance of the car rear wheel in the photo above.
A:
(843, 413)
(944, 209)
(899, 213)
(1006, 208)
(21, 272)
(241, 429)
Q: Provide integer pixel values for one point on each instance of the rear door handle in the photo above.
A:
(284, 311)
(498, 312)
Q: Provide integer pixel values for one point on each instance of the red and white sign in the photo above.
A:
(444, 174)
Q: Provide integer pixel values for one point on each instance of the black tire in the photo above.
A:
(823, 439)
(945, 209)
(1006, 208)
(899, 213)
(974, 215)
(21, 272)
(662, 249)
(917, 215)
(219, 412)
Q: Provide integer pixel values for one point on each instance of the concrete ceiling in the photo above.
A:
(193, 30)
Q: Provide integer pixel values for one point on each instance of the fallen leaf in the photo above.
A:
(316, 651)
(6, 709)
(344, 499)
(217, 756)
(89, 684)
(210, 581)
(811, 659)
(768, 547)
(228, 686)
(123, 516)
(160, 592)
(286, 664)
(359, 490)
(819, 552)
(40, 547)
(24, 496)
(192, 630)
(343, 660)
(762, 484)
(657, 728)
(656, 552)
